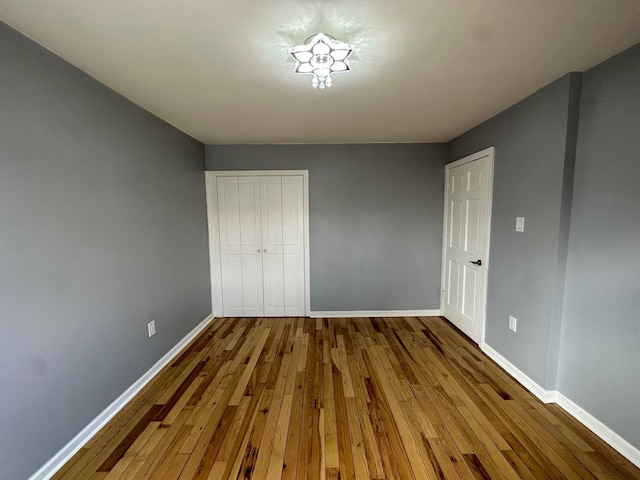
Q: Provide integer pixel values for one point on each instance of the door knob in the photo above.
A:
(478, 263)
(258, 250)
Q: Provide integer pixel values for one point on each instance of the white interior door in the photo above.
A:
(283, 245)
(466, 228)
(240, 246)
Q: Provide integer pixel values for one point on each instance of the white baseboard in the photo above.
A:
(627, 450)
(545, 396)
(375, 313)
(69, 450)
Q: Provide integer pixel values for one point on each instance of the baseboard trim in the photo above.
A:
(625, 449)
(375, 313)
(544, 395)
(69, 450)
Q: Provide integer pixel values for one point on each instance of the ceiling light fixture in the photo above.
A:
(321, 55)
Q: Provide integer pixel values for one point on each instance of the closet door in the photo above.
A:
(240, 246)
(283, 245)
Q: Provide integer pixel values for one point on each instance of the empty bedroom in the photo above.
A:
(346, 239)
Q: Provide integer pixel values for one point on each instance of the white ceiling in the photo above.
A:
(423, 71)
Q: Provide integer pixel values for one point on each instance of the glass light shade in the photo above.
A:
(321, 55)
(339, 67)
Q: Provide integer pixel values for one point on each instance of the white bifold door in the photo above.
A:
(261, 228)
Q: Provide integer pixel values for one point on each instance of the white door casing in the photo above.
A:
(281, 245)
(467, 220)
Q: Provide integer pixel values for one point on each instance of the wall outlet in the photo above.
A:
(151, 326)
(513, 323)
(519, 224)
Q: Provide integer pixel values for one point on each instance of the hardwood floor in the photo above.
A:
(395, 398)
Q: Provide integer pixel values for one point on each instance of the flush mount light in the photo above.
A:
(321, 55)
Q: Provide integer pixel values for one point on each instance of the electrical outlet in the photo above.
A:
(513, 323)
(151, 326)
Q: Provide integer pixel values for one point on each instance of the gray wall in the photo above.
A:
(375, 219)
(600, 354)
(103, 228)
(567, 158)
(526, 273)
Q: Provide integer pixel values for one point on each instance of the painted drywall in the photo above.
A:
(533, 166)
(375, 219)
(566, 198)
(600, 354)
(103, 228)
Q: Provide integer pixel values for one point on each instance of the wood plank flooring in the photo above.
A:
(369, 398)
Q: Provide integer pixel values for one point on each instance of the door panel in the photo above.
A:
(232, 285)
(293, 289)
(283, 245)
(293, 244)
(271, 198)
(252, 285)
(475, 180)
(455, 234)
(291, 213)
(249, 222)
(468, 203)
(273, 285)
(272, 210)
(230, 214)
(469, 292)
(457, 182)
(453, 284)
(473, 226)
(241, 265)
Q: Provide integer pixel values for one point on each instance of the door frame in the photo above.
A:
(211, 184)
(490, 153)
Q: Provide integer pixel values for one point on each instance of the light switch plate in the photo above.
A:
(519, 224)
(513, 323)
(151, 326)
